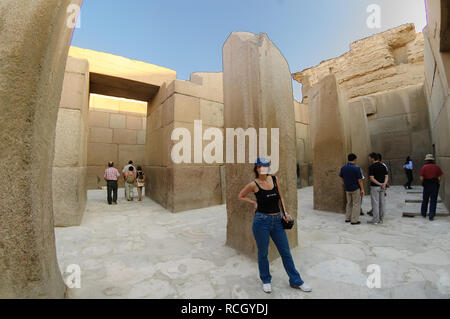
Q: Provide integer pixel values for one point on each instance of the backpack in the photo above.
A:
(130, 178)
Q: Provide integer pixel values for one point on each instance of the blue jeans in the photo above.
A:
(430, 194)
(264, 227)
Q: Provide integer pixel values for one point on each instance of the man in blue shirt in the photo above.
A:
(352, 180)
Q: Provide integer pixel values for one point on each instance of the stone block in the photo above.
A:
(34, 41)
(444, 164)
(257, 83)
(68, 138)
(134, 153)
(193, 89)
(330, 144)
(189, 194)
(117, 121)
(136, 108)
(124, 136)
(104, 103)
(75, 91)
(100, 135)
(211, 113)
(140, 135)
(69, 195)
(98, 119)
(76, 65)
(134, 123)
(159, 185)
(186, 108)
(99, 154)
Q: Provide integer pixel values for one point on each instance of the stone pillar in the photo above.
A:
(34, 37)
(336, 131)
(257, 94)
(70, 163)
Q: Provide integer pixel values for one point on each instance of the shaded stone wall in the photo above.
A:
(303, 142)
(257, 94)
(437, 84)
(70, 163)
(117, 132)
(384, 73)
(337, 129)
(34, 37)
(180, 187)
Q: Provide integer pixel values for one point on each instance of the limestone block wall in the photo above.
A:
(384, 61)
(399, 127)
(385, 74)
(180, 187)
(117, 132)
(70, 163)
(303, 142)
(437, 74)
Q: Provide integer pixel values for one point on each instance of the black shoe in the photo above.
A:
(347, 221)
(370, 213)
(361, 214)
(405, 187)
(424, 216)
(431, 218)
(357, 223)
(410, 187)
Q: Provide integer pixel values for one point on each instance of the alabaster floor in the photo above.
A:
(140, 250)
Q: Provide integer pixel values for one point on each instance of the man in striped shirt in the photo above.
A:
(111, 175)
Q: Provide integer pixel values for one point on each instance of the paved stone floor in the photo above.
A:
(140, 250)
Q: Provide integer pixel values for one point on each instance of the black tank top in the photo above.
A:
(268, 199)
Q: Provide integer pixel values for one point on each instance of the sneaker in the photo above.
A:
(372, 222)
(357, 223)
(267, 288)
(304, 288)
(347, 220)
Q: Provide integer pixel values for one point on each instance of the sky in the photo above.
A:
(187, 35)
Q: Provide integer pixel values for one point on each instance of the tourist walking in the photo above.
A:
(379, 178)
(111, 175)
(352, 180)
(140, 182)
(408, 166)
(267, 224)
(130, 179)
(430, 177)
(125, 169)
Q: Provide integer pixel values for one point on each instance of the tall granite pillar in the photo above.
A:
(34, 41)
(336, 131)
(257, 94)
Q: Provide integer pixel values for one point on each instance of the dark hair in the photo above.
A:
(130, 162)
(351, 157)
(111, 164)
(408, 159)
(380, 157)
(373, 155)
(131, 168)
(139, 168)
(255, 169)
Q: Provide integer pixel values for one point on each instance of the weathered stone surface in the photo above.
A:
(68, 138)
(159, 185)
(117, 121)
(330, 144)
(98, 119)
(34, 38)
(69, 192)
(100, 135)
(124, 136)
(134, 123)
(257, 84)
(134, 153)
(99, 154)
(384, 61)
(211, 113)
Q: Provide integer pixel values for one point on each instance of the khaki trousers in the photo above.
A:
(353, 208)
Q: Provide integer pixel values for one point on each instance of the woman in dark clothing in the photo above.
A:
(267, 223)
(408, 166)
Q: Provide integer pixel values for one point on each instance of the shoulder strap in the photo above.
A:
(257, 184)
(274, 179)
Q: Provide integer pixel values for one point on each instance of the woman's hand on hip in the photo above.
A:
(287, 217)
(255, 205)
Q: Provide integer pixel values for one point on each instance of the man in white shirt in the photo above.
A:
(126, 169)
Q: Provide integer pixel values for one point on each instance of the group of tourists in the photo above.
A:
(352, 178)
(132, 177)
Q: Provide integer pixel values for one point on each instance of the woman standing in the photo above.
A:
(267, 223)
(140, 182)
(408, 166)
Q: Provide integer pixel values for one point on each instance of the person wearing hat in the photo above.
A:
(267, 224)
(430, 177)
